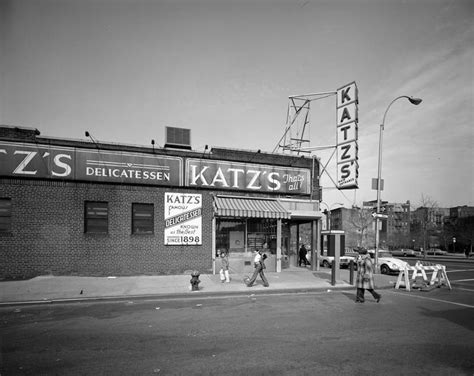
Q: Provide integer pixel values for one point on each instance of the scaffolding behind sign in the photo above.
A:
(295, 139)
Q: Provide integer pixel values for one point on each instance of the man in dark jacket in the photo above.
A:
(302, 258)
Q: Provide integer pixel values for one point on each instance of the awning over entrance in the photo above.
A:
(301, 209)
(305, 215)
(249, 207)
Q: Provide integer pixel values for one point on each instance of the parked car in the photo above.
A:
(326, 261)
(352, 255)
(405, 252)
(436, 252)
(387, 263)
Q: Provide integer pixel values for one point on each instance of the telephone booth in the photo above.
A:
(333, 245)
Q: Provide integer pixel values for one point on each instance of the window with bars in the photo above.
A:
(143, 219)
(5, 215)
(96, 217)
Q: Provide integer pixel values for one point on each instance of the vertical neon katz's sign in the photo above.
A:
(347, 136)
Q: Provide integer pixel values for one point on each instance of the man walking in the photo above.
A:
(259, 264)
(302, 253)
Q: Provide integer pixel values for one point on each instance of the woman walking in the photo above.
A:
(365, 277)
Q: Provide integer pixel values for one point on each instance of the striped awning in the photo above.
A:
(249, 208)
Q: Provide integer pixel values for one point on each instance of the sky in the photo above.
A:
(125, 69)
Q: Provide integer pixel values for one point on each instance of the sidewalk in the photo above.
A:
(51, 289)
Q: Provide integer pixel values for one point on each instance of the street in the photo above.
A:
(318, 333)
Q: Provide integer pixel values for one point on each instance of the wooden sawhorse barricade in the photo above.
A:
(438, 277)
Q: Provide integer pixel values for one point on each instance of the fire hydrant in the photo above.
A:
(195, 280)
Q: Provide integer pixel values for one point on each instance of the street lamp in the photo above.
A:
(328, 215)
(416, 102)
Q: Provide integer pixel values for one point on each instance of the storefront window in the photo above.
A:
(230, 235)
(262, 234)
(240, 235)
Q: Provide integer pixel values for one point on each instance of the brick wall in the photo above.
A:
(48, 232)
(48, 218)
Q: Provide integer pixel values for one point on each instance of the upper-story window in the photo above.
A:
(5, 215)
(96, 217)
(143, 219)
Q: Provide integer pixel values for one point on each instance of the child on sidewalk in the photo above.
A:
(224, 272)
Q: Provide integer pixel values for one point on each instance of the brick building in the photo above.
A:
(81, 207)
(359, 225)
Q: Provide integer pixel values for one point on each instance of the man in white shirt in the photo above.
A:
(259, 264)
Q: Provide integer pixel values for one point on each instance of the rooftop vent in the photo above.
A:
(179, 138)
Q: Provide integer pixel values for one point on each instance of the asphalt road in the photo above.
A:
(326, 333)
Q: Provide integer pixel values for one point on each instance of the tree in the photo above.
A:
(463, 230)
(423, 223)
(466, 232)
(361, 220)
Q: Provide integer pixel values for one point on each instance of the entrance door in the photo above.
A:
(300, 233)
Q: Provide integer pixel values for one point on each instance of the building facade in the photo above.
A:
(359, 225)
(461, 212)
(458, 229)
(398, 225)
(75, 207)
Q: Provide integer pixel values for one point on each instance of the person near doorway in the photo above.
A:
(224, 272)
(365, 277)
(302, 259)
(259, 265)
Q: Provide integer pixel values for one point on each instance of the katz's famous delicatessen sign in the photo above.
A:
(248, 177)
(183, 219)
(63, 163)
(54, 162)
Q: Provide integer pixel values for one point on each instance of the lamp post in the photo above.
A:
(328, 215)
(416, 102)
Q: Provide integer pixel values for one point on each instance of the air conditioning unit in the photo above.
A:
(179, 138)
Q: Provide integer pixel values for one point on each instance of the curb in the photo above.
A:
(187, 295)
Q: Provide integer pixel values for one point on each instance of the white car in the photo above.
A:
(387, 263)
(326, 261)
(352, 255)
